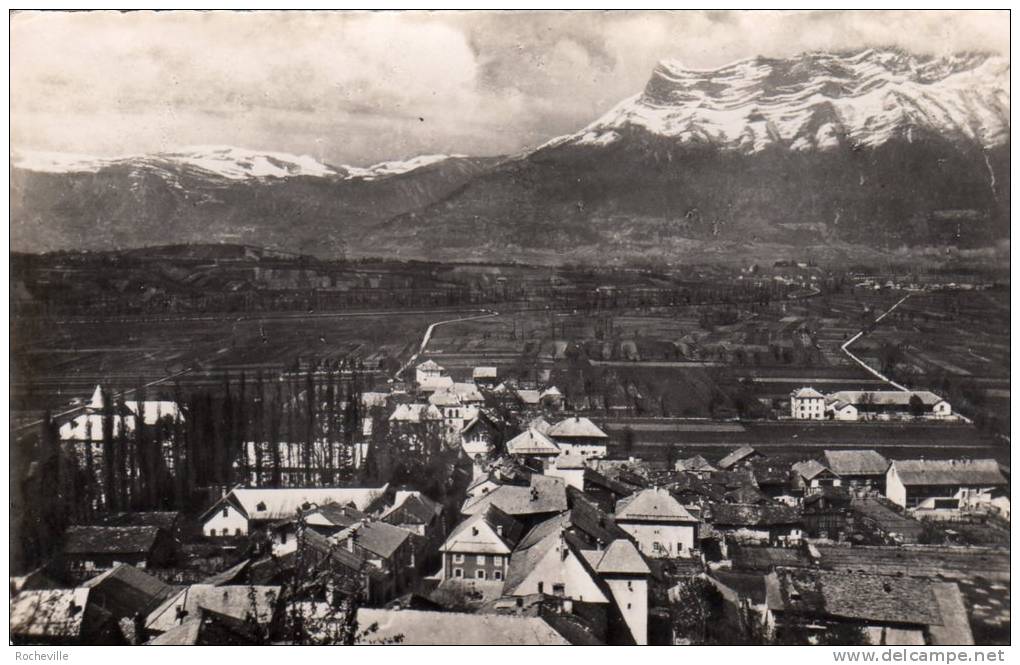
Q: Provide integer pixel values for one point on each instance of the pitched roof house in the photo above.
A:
(422, 628)
(415, 512)
(739, 457)
(241, 510)
(208, 628)
(856, 463)
(96, 548)
(811, 475)
(542, 497)
(125, 591)
(579, 436)
(60, 617)
(479, 547)
(659, 524)
(944, 484)
(532, 443)
(245, 602)
(891, 610)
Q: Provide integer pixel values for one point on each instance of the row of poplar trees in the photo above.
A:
(298, 428)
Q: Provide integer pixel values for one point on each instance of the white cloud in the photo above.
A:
(361, 87)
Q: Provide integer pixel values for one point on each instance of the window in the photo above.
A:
(559, 590)
(498, 575)
(541, 587)
(212, 532)
(457, 572)
(226, 512)
(225, 532)
(480, 574)
(458, 558)
(480, 559)
(237, 532)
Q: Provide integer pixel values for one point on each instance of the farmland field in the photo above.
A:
(65, 359)
(894, 440)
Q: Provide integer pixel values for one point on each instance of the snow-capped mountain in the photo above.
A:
(817, 101)
(820, 154)
(227, 162)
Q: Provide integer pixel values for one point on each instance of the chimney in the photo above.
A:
(499, 530)
(73, 608)
(520, 601)
(181, 614)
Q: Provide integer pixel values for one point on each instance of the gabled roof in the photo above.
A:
(429, 365)
(532, 442)
(415, 413)
(587, 519)
(467, 392)
(744, 514)
(653, 505)
(444, 397)
(881, 599)
(284, 503)
(49, 613)
(697, 463)
(622, 558)
(544, 495)
(616, 487)
(379, 538)
(125, 590)
(433, 383)
(856, 462)
(478, 420)
(551, 391)
(207, 628)
(533, 548)
(488, 532)
(949, 472)
(810, 469)
(110, 539)
(736, 456)
(885, 397)
(807, 393)
(565, 462)
(411, 508)
(540, 424)
(333, 515)
(239, 602)
(419, 627)
(530, 397)
(576, 427)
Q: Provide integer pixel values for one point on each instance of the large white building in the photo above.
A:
(243, 510)
(807, 404)
(945, 485)
(659, 524)
(887, 405)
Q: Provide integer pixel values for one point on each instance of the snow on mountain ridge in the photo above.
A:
(815, 101)
(227, 162)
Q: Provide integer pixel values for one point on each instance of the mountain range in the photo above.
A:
(820, 154)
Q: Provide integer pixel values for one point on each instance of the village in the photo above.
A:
(485, 328)
(481, 509)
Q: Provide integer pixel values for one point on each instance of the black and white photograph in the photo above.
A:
(501, 328)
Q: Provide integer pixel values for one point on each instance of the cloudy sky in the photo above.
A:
(362, 87)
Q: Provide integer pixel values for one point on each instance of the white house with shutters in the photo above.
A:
(807, 404)
(243, 510)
